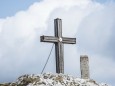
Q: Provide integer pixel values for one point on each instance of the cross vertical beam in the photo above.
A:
(59, 48)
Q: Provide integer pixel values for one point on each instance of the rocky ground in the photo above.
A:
(48, 79)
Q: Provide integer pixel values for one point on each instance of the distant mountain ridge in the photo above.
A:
(49, 79)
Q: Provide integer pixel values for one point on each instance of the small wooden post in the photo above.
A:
(84, 66)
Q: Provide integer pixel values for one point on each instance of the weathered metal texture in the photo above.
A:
(84, 66)
(59, 41)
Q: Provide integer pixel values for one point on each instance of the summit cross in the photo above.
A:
(59, 42)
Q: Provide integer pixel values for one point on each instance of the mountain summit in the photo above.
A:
(49, 79)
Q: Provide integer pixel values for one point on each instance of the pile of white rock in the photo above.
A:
(49, 79)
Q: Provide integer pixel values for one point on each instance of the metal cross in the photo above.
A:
(59, 41)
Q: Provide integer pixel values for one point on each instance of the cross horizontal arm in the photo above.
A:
(50, 39)
(69, 40)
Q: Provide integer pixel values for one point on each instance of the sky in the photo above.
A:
(91, 22)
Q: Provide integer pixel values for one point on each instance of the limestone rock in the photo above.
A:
(48, 79)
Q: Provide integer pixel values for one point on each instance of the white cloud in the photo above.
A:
(90, 22)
